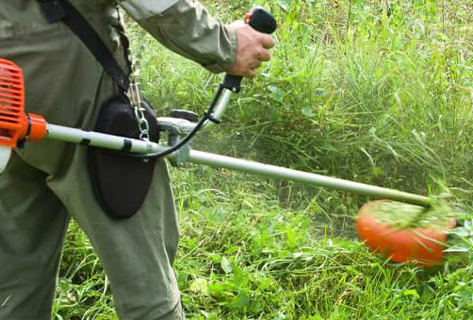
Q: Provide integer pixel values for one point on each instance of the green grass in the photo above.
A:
(355, 90)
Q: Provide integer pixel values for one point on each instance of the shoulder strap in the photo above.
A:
(63, 10)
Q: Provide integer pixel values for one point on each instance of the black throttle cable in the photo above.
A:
(207, 116)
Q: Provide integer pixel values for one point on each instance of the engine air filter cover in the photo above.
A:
(12, 100)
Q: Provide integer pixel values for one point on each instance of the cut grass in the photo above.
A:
(407, 216)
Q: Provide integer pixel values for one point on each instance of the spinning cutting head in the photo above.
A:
(404, 232)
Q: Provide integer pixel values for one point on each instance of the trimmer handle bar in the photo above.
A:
(261, 20)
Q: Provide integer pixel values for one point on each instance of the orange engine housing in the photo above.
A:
(15, 124)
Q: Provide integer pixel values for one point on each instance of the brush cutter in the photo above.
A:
(16, 127)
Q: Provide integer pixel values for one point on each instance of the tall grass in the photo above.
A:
(373, 91)
(351, 90)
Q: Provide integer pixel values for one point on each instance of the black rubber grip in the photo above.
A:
(263, 21)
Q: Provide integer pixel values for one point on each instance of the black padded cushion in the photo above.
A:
(121, 183)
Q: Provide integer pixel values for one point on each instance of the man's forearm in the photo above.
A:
(186, 27)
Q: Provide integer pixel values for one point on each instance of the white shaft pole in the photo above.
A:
(252, 167)
(101, 140)
(112, 142)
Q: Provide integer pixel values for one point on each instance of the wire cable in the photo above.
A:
(207, 116)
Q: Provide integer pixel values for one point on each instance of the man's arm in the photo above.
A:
(186, 27)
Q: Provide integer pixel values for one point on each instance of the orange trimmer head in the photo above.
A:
(404, 232)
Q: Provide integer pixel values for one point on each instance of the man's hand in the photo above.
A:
(253, 49)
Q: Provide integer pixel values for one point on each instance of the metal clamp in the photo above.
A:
(135, 98)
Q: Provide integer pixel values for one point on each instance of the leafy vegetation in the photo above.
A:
(403, 215)
(379, 92)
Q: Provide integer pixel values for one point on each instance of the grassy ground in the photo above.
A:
(373, 91)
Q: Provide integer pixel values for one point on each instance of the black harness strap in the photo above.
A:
(63, 10)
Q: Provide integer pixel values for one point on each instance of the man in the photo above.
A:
(47, 183)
